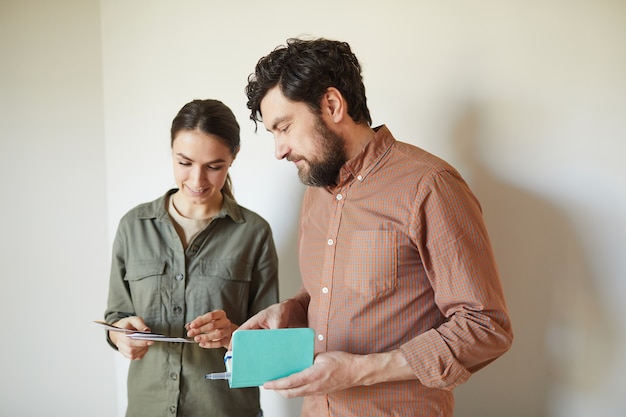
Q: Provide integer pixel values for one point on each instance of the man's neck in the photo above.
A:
(357, 136)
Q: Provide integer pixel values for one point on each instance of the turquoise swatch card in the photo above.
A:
(259, 356)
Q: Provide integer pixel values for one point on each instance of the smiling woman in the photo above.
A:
(199, 180)
(205, 136)
(192, 263)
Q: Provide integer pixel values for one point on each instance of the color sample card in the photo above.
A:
(259, 356)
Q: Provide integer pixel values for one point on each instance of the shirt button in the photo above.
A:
(178, 309)
(339, 197)
(320, 337)
(172, 409)
(330, 242)
(179, 277)
(360, 177)
(174, 376)
(325, 290)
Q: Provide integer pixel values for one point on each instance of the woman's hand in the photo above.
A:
(131, 349)
(211, 330)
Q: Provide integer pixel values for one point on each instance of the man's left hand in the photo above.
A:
(330, 372)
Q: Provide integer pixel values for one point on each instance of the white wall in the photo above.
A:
(527, 99)
(53, 216)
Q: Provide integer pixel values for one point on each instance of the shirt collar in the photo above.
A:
(361, 165)
(157, 208)
(231, 209)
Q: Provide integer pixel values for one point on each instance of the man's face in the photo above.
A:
(304, 138)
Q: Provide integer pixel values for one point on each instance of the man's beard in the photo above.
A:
(324, 170)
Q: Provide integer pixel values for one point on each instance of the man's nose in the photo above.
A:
(281, 150)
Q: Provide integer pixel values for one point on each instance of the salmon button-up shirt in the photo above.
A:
(397, 256)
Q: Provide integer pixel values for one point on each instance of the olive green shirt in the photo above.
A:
(231, 265)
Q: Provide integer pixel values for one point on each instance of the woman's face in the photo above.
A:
(201, 165)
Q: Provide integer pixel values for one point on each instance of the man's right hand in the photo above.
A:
(275, 316)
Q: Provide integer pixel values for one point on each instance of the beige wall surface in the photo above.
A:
(526, 99)
(53, 217)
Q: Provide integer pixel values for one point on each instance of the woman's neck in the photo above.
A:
(197, 211)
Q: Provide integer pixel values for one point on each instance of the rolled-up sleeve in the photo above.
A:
(454, 246)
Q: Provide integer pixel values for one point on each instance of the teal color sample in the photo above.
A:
(259, 356)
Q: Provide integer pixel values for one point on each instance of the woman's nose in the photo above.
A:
(196, 176)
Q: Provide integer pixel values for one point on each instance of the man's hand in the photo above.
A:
(211, 330)
(275, 316)
(331, 371)
(288, 313)
(336, 371)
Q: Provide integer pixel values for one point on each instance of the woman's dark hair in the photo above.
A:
(212, 117)
(304, 70)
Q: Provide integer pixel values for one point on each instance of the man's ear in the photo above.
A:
(334, 104)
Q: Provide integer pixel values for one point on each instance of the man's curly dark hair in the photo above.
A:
(304, 70)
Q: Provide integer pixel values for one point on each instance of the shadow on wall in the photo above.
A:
(559, 326)
(274, 404)
(290, 281)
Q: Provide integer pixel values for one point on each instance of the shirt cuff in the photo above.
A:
(432, 362)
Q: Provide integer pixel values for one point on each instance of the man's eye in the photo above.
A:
(183, 163)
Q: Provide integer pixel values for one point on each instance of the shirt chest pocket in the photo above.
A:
(224, 285)
(371, 266)
(145, 279)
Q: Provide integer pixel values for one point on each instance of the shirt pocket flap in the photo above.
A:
(228, 269)
(136, 271)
